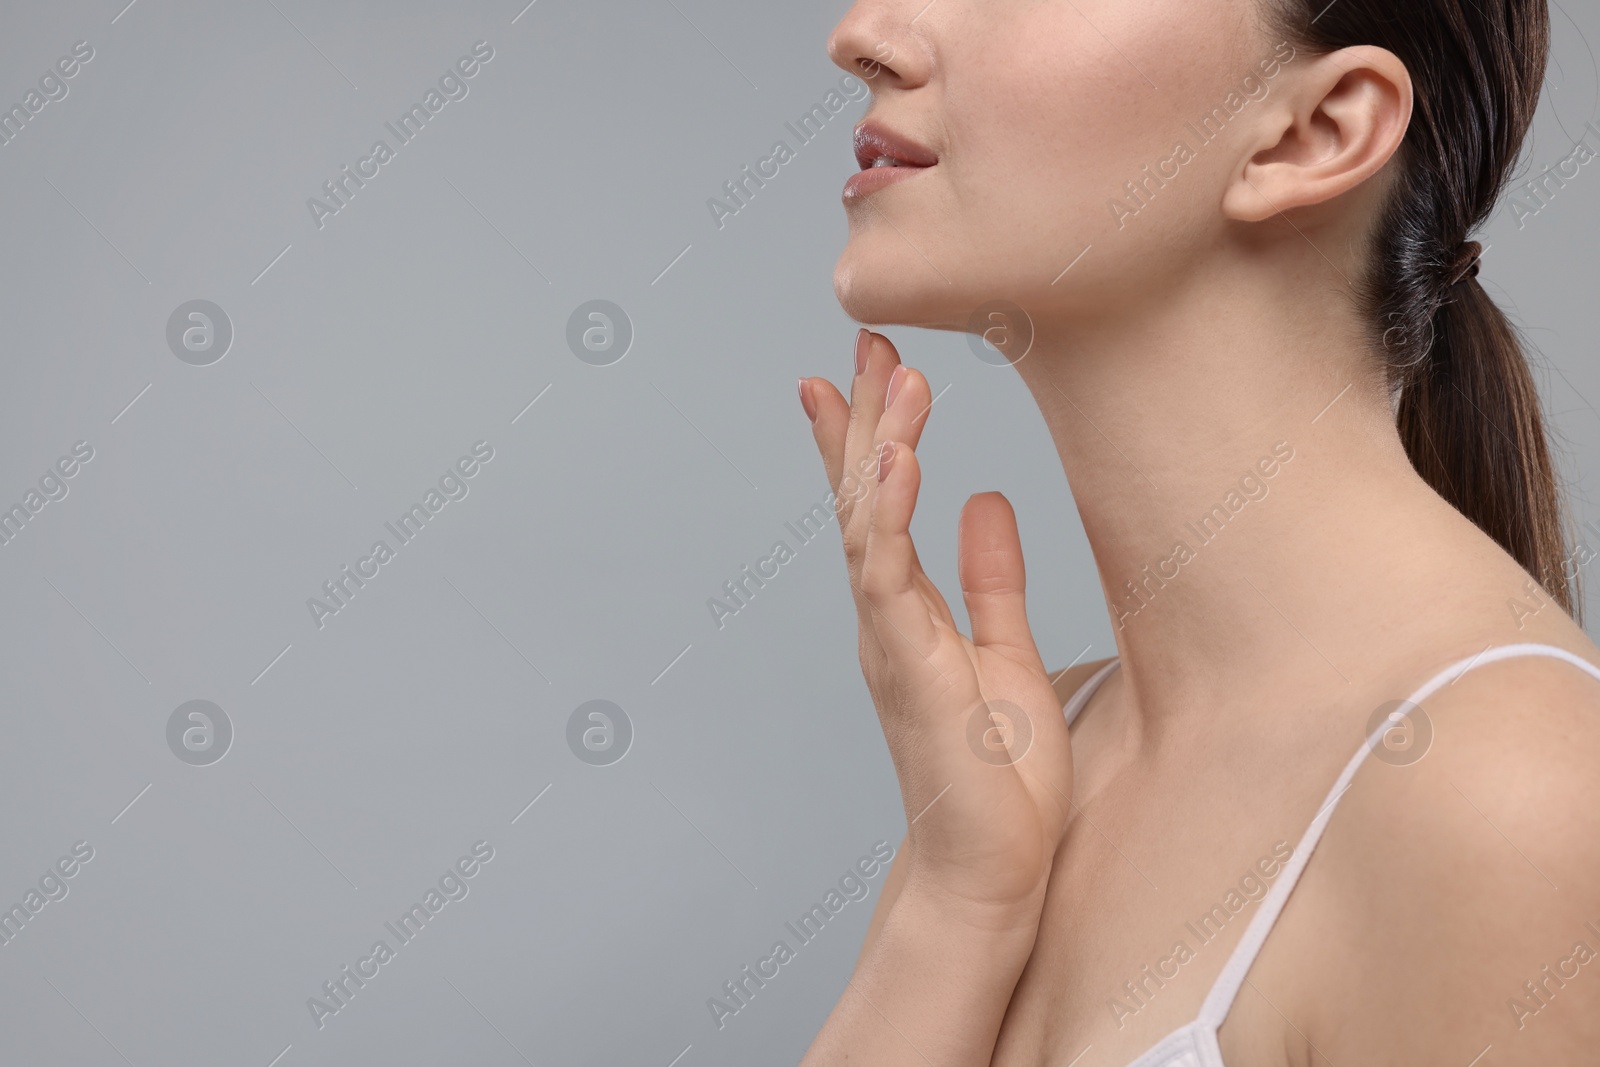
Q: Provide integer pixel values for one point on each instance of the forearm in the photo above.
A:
(931, 989)
(886, 898)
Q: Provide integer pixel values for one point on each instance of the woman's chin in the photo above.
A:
(883, 295)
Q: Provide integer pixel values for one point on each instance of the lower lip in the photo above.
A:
(865, 182)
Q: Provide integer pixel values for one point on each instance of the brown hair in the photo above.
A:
(1469, 411)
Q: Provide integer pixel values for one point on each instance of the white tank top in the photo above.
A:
(1194, 1044)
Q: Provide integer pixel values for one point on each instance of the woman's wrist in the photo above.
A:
(925, 905)
(933, 986)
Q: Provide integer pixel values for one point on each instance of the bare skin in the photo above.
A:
(1028, 894)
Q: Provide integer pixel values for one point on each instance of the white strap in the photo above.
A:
(1086, 690)
(1220, 1000)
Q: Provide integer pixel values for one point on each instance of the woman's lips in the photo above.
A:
(875, 144)
(865, 182)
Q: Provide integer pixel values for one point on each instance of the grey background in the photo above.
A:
(370, 355)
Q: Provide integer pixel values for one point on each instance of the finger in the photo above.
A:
(829, 422)
(850, 486)
(889, 570)
(834, 419)
(907, 403)
(994, 580)
(877, 359)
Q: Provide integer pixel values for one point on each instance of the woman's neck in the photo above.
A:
(1251, 509)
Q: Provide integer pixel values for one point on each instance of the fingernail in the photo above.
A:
(885, 459)
(895, 381)
(806, 401)
(863, 346)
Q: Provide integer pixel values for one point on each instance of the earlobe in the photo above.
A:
(1339, 121)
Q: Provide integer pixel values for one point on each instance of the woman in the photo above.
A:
(1226, 245)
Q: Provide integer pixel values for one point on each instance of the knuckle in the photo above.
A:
(855, 549)
(874, 587)
(879, 583)
(854, 487)
(902, 692)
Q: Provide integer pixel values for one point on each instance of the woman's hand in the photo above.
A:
(973, 725)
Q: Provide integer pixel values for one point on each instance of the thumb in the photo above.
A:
(993, 579)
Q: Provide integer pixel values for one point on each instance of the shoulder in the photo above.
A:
(1514, 743)
(1462, 876)
(1067, 682)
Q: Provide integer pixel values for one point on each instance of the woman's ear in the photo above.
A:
(1339, 120)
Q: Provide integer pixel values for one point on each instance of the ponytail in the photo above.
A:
(1471, 424)
(1468, 413)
